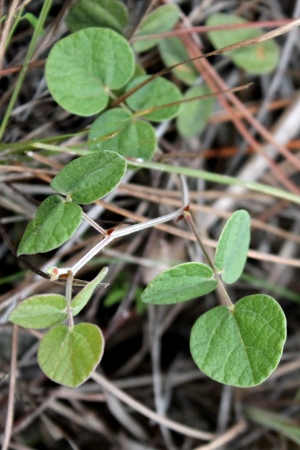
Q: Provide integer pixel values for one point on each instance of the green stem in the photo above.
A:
(37, 32)
(189, 219)
(222, 179)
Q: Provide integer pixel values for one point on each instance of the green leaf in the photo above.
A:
(40, 311)
(97, 13)
(181, 283)
(161, 20)
(90, 177)
(54, 223)
(83, 67)
(256, 59)
(241, 346)
(131, 137)
(233, 245)
(173, 51)
(156, 93)
(82, 298)
(193, 116)
(69, 355)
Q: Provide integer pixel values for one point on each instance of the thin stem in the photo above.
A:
(184, 191)
(188, 217)
(69, 286)
(123, 232)
(93, 223)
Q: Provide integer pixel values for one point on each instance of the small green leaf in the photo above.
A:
(181, 283)
(172, 51)
(193, 116)
(156, 93)
(90, 177)
(161, 20)
(54, 223)
(40, 311)
(130, 137)
(256, 59)
(81, 299)
(233, 245)
(241, 346)
(97, 13)
(69, 355)
(83, 67)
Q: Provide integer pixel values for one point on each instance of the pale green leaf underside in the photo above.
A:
(134, 138)
(82, 298)
(161, 20)
(233, 245)
(257, 59)
(90, 177)
(83, 67)
(54, 223)
(97, 13)
(179, 284)
(173, 51)
(69, 355)
(157, 93)
(243, 346)
(40, 311)
(193, 116)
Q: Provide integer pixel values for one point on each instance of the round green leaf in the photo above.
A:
(173, 51)
(193, 116)
(69, 355)
(233, 245)
(161, 20)
(90, 177)
(241, 346)
(82, 298)
(54, 223)
(156, 93)
(130, 137)
(257, 59)
(40, 311)
(97, 13)
(83, 67)
(181, 283)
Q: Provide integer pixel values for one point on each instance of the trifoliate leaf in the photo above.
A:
(115, 130)
(161, 20)
(173, 51)
(179, 284)
(233, 245)
(241, 346)
(40, 311)
(256, 59)
(193, 116)
(54, 223)
(155, 94)
(82, 298)
(69, 355)
(97, 13)
(90, 177)
(83, 67)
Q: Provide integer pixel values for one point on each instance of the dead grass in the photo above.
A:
(148, 394)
